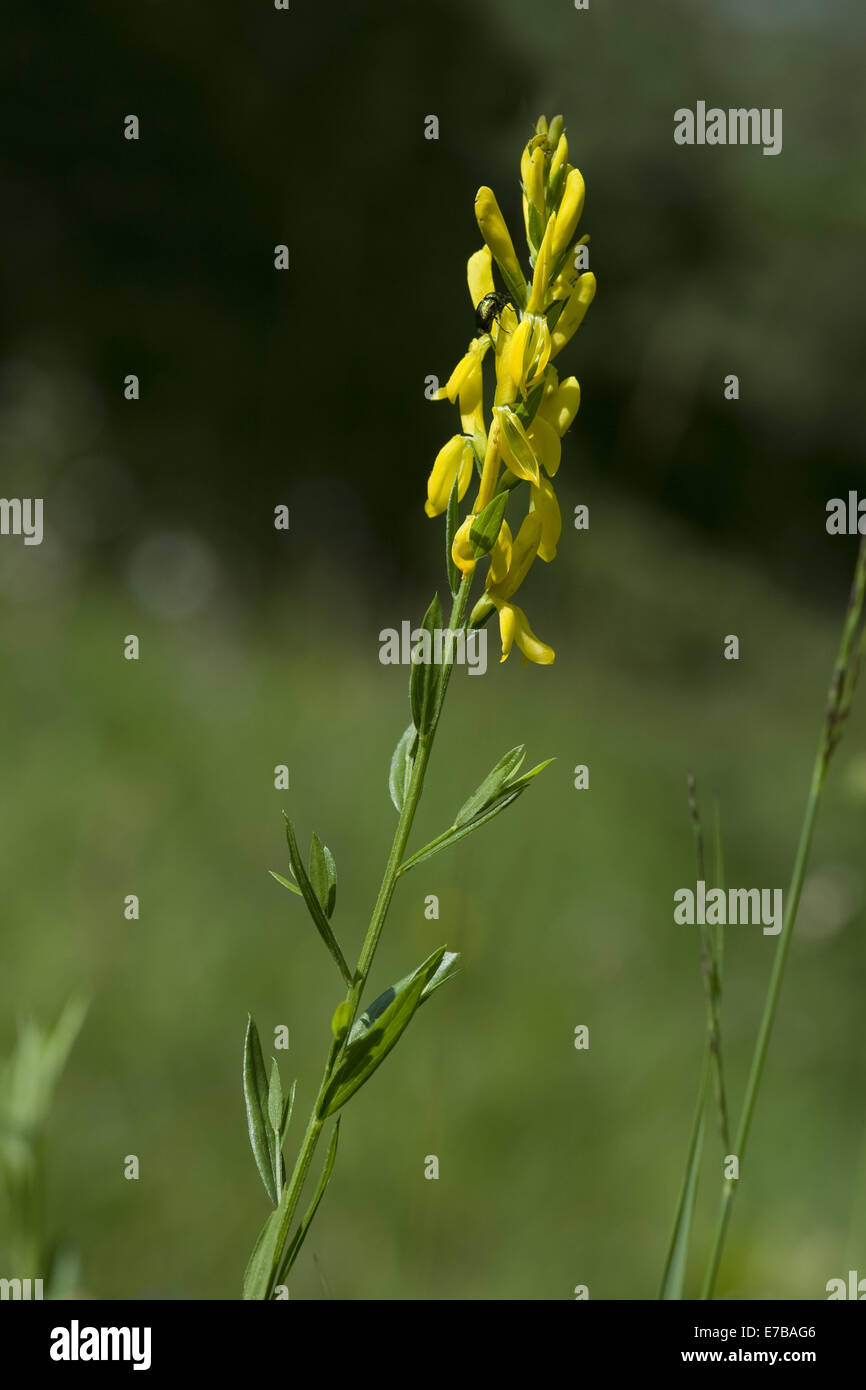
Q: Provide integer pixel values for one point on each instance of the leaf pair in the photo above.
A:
(318, 888)
(382, 1025)
(497, 791)
(268, 1115)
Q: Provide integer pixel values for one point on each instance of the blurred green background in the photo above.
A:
(707, 518)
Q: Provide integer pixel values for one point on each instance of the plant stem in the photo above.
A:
(292, 1192)
(838, 705)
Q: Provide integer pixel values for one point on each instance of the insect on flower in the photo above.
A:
(488, 309)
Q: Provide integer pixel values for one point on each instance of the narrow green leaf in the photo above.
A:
(459, 832)
(492, 784)
(323, 875)
(287, 1112)
(300, 1234)
(447, 968)
(287, 883)
(452, 523)
(257, 1276)
(401, 765)
(256, 1100)
(362, 1057)
(487, 525)
(675, 1265)
(275, 1098)
(528, 776)
(314, 906)
(424, 679)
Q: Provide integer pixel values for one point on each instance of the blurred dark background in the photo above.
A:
(260, 647)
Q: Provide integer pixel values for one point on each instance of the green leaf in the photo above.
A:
(447, 968)
(492, 784)
(287, 883)
(257, 1276)
(452, 523)
(314, 907)
(275, 1098)
(287, 1112)
(300, 1234)
(256, 1100)
(362, 1057)
(487, 525)
(483, 804)
(459, 832)
(323, 875)
(675, 1266)
(424, 680)
(402, 761)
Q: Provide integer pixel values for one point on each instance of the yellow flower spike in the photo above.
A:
(543, 502)
(535, 180)
(492, 226)
(546, 444)
(560, 406)
(572, 315)
(454, 460)
(569, 212)
(500, 556)
(479, 275)
(462, 552)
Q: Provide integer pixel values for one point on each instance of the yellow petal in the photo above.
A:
(494, 231)
(500, 556)
(541, 274)
(461, 547)
(560, 156)
(561, 406)
(453, 456)
(532, 647)
(546, 444)
(543, 501)
(535, 180)
(507, 625)
(569, 212)
(479, 275)
(572, 315)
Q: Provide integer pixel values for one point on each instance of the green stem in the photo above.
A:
(292, 1193)
(838, 705)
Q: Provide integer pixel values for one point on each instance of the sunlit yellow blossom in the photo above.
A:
(454, 460)
(543, 502)
(494, 231)
(514, 627)
(479, 275)
(560, 157)
(462, 552)
(516, 446)
(559, 406)
(541, 274)
(569, 212)
(528, 352)
(535, 180)
(500, 555)
(545, 443)
(572, 315)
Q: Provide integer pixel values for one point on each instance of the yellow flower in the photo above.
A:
(513, 624)
(479, 275)
(572, 315)
(542, 500)
(494, 231)
(569, 212)
(454, 460)
(528, 352)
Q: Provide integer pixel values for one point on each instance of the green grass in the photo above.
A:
(557, 1167)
